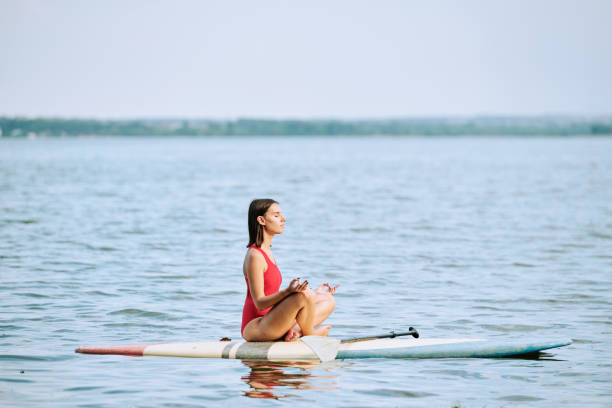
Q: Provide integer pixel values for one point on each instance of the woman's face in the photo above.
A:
(273, 220)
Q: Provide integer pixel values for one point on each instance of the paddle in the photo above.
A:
(326, 348)
(411, 332)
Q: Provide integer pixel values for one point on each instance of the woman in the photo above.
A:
(270, 313)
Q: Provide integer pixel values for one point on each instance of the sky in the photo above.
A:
(304, 59)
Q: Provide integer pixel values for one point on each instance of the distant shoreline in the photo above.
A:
(20, 127)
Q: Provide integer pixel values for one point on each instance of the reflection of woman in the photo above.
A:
(265, 378)
(270, 313)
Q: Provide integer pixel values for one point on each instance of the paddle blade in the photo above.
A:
(326, 348)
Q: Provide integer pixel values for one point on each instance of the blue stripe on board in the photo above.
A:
(472, 349)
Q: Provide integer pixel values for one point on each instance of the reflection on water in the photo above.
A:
(267, 377)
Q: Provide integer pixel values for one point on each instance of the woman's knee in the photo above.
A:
(328, 300)
(304, 299)
(298, 298)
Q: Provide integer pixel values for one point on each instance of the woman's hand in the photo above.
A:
(331, 290)
(295, 286)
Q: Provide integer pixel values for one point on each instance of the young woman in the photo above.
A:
(271, 313)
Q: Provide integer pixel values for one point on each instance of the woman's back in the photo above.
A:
(272, 282)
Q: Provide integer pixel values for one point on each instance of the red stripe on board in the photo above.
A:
(121, 349)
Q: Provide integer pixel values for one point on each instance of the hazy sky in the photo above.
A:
(300, 59)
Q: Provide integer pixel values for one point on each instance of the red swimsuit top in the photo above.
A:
(272, 282)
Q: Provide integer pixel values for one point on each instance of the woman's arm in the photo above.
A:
(255, 267)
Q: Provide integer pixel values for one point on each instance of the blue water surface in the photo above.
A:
(141, 240)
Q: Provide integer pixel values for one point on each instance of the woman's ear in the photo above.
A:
(261, 220)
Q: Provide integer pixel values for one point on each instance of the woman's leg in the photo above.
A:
(298, 307)
(324, 306)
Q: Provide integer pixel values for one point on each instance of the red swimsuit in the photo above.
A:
(272, 282)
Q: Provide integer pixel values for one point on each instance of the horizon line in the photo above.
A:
(318, 118)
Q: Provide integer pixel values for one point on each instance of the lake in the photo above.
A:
(141, 240)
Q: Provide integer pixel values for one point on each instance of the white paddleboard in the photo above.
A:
(299, 350)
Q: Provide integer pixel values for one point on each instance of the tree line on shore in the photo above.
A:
(486, 126)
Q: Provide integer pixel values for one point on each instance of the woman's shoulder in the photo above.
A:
(254, 254)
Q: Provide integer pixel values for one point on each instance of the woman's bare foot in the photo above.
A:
(294, 333)
(291, 335)
(322, 330)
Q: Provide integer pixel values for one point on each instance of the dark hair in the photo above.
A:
(258, 207)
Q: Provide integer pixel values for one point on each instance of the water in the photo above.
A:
(116, 240)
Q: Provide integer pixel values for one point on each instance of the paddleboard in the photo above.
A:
(299, 350)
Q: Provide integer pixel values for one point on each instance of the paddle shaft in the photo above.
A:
(411, 332)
